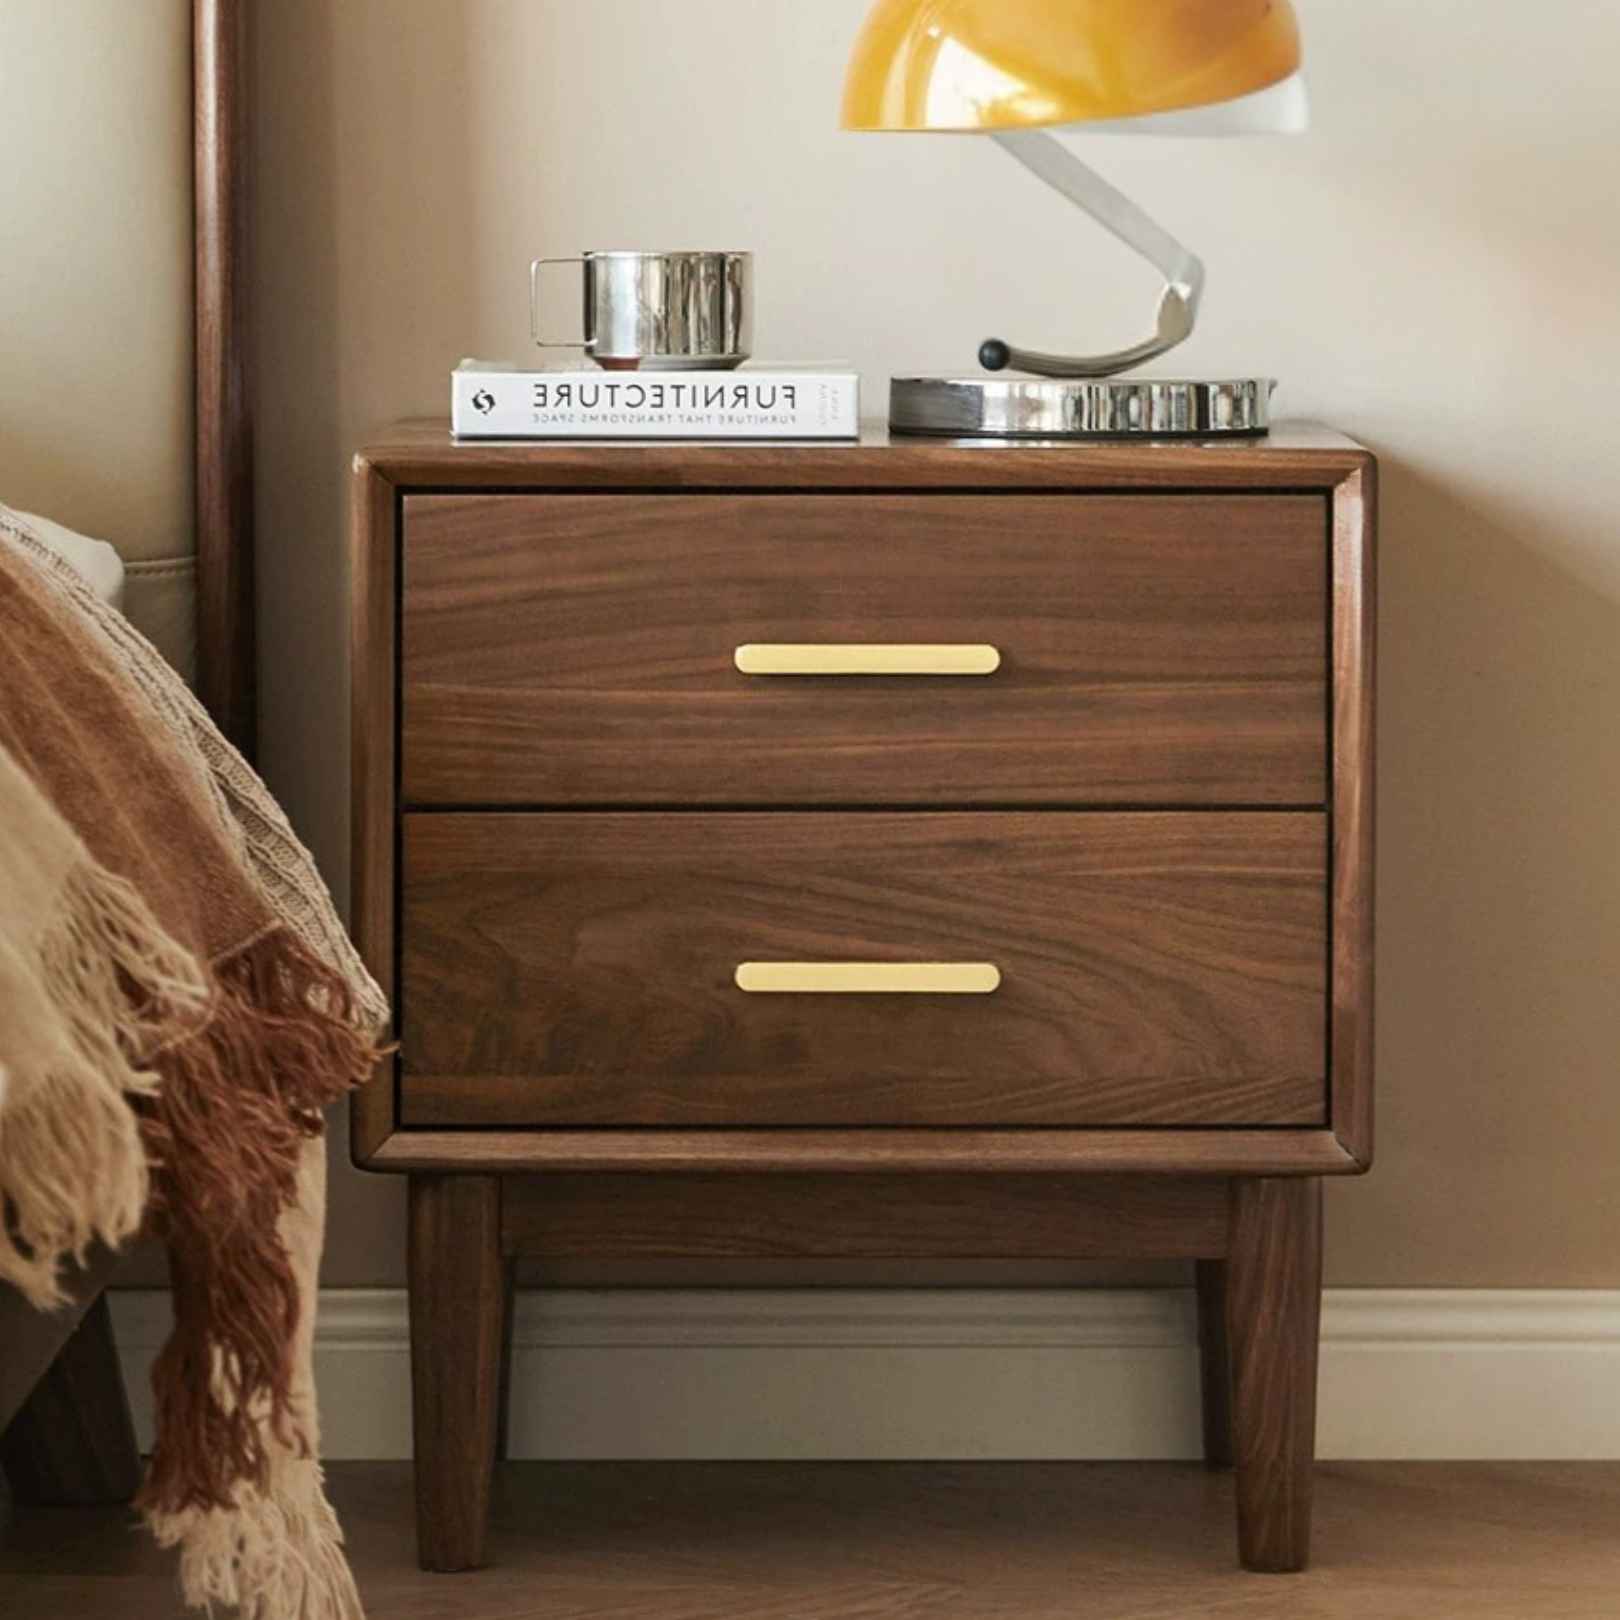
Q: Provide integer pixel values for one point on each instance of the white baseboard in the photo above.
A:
(968, 1375)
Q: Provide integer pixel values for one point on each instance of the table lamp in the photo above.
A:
(1019, 69)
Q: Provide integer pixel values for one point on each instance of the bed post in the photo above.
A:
(221, 32)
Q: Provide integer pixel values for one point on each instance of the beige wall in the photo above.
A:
(96, 284)
(1432, 268)
(95, 270)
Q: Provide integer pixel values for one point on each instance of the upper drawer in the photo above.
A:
(1153, 649)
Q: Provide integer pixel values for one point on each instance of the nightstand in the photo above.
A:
(899, 848)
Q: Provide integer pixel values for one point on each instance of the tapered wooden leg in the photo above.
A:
(456, 1299)
(1273, 1313)
(1214, 1364)
(72, 1443)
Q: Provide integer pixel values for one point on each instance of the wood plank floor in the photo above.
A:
(987, 1541)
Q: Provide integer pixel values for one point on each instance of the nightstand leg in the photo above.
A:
(1273, 1313)
(1214, 1364)
(456, 1299)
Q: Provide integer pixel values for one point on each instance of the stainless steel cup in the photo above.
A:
(659, 311)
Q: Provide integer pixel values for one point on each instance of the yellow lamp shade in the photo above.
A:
(1020, 64)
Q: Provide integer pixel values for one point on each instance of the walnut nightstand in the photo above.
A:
(887, 849)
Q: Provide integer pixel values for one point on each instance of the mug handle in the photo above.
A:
(534, 304)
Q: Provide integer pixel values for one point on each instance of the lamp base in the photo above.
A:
(1079, 407)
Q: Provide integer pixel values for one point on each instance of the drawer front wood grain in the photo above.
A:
(571, 969)
(1163, 649)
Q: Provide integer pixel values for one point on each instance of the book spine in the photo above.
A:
(692, 405)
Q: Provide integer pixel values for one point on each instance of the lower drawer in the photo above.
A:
(1117, 969)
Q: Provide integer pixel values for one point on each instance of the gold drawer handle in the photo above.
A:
(868, 658)
(869, 978)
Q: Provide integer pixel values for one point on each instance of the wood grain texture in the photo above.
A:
(578, 969)
(1161, 648)
(1273, 1315)
(913, 1541)
(892, 1151)
(372, 729)
(226, 660)
(73, 1441)
(1293, 456)
(1214, 1363)
(1355, 507)
(559, 651)
(456, 1299)
(421, 458)
(863, 1216)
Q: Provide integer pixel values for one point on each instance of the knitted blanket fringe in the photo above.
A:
(275, 1554)
(74, 1170)
(274, 1551)
(187, 1096)
(225, 1134)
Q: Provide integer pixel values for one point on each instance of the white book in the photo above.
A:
(489, 400)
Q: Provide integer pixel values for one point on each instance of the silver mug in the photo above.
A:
(660, 311)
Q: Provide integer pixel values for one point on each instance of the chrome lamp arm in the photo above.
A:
(1048, 159)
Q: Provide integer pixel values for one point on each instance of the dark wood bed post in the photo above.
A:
(226, 637)
(65, 1430)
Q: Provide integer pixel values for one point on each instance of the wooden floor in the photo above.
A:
(825, 1541)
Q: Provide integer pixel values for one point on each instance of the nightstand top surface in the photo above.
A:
(422, 453)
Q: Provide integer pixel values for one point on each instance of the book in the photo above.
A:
(490, 400)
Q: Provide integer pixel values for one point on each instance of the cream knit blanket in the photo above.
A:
(103, 1010)
(89, 985)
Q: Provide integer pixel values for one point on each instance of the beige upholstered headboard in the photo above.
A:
(107, 424)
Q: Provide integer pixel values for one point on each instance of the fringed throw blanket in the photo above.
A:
(178, 1002)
